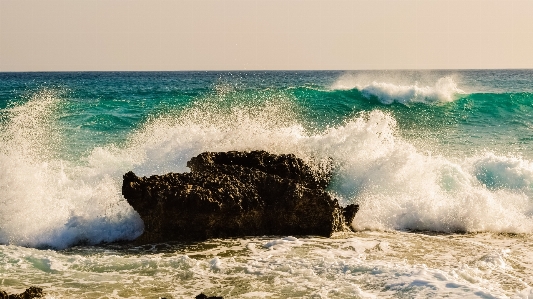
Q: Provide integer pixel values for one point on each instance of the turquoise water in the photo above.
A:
(420, 151)
(97, 109)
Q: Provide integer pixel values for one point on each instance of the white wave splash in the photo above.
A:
(396, 185)
(46, 201)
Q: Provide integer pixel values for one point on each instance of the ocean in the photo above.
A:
(440, 163)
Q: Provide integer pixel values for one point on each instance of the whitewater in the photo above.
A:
(439, 162)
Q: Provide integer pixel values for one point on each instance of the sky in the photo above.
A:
(176, 35)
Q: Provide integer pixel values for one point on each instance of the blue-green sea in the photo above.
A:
(440, 163)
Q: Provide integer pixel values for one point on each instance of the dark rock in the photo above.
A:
(32, 292)
(202, 296)
(349, 214)
(235, 194)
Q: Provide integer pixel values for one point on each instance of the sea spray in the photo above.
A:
(51, 202)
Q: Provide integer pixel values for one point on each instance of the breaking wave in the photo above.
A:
(444, 90)
(49, 201)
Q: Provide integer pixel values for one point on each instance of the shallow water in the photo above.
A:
(361, 265)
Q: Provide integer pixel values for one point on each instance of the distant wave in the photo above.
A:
(443, 91)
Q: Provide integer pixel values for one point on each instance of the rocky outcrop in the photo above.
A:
(233, 194)
(203, 296)
(32, 292)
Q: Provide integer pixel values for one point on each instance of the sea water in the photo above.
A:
(440, 163)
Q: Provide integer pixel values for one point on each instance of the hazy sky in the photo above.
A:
(67, 35)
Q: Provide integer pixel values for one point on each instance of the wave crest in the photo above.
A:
(444, 90)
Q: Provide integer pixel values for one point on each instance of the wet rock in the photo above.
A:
(235, 194)
(203, 296)
(32, 292)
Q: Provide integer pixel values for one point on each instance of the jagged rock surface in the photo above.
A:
(31, 292)
(203, 296)
(232, 194)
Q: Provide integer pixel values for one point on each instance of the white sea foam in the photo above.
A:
(497, 172)
(415, 265)
(283, 244)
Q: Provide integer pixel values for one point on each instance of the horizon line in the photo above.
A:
(269, 70)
